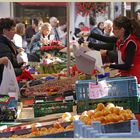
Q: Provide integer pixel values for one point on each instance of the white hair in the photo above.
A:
(108, 22)
(52, 19)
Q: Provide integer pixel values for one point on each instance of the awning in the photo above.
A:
(42, 3)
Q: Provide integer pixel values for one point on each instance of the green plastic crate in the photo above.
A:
(132, 103)
(45, 108)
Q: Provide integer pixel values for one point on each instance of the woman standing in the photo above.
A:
(128, 44)
(18, 37)
(7, 47)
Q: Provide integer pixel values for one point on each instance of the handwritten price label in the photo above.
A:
(99, 90)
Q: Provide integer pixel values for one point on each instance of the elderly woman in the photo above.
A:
(41, 38)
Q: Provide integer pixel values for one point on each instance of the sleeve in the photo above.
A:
(107, 39)
(99, 46)
(17, 41)
(130, 52)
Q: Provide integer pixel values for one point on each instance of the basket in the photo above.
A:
(108, 88)
(116, 130)
(132, 103)
(45, 108)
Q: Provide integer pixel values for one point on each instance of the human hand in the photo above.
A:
(83, 34)
(105, 65)
(103, 52)
(4, 60)
(45, 41)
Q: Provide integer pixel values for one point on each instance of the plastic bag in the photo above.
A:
(84, 62)
(9, 85)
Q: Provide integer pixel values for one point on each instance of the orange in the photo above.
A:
(100, 106)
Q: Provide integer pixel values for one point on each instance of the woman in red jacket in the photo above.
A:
(128, 44)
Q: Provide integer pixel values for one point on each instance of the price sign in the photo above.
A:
(98, 90)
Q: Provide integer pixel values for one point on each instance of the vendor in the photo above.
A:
(128, 44)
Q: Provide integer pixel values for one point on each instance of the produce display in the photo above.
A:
(105, 114)
(51, 87)
(7, 114)
(36, 131)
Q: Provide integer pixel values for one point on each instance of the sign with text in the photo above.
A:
(98, 90)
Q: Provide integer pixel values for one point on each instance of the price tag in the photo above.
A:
(69, 98)
(98, 90)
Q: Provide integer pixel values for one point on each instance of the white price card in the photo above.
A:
(98, 90)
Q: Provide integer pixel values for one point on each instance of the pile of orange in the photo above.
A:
(106, 114)
(56, 128)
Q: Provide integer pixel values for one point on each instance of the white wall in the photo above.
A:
(5, 9)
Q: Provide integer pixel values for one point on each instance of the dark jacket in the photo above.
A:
(29, 33)
(7, 48)
(109, 45)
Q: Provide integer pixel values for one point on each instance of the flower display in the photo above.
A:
(85, 8)
(51, 59)
(53, 48)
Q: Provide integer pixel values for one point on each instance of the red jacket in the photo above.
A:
(135, 68)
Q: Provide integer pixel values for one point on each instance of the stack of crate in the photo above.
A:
(121, 91)
(128, 129)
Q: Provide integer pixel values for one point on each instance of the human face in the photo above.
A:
(118, 32)
(108, 28)
(9, 32)
(138, 16)
(101, 26)
(46, 32)
(54, 23)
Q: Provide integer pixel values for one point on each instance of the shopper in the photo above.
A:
(18, 37)
(107, 43)
(7, 47)
(31, 30)
(41, 38)
(54, 31)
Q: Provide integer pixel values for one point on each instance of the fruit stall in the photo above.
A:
(70, 107)
(53, 104)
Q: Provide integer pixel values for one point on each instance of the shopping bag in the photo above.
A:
(9, 85)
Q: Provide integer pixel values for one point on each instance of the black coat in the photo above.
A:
(7, 48)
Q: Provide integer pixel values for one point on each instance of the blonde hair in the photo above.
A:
(20, 29)
(46, 25)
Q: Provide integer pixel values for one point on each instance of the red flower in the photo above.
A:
(84, 8)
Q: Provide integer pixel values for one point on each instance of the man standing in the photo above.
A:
(31, 30)
(54, 32)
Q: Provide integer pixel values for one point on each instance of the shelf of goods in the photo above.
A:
(61, 126)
